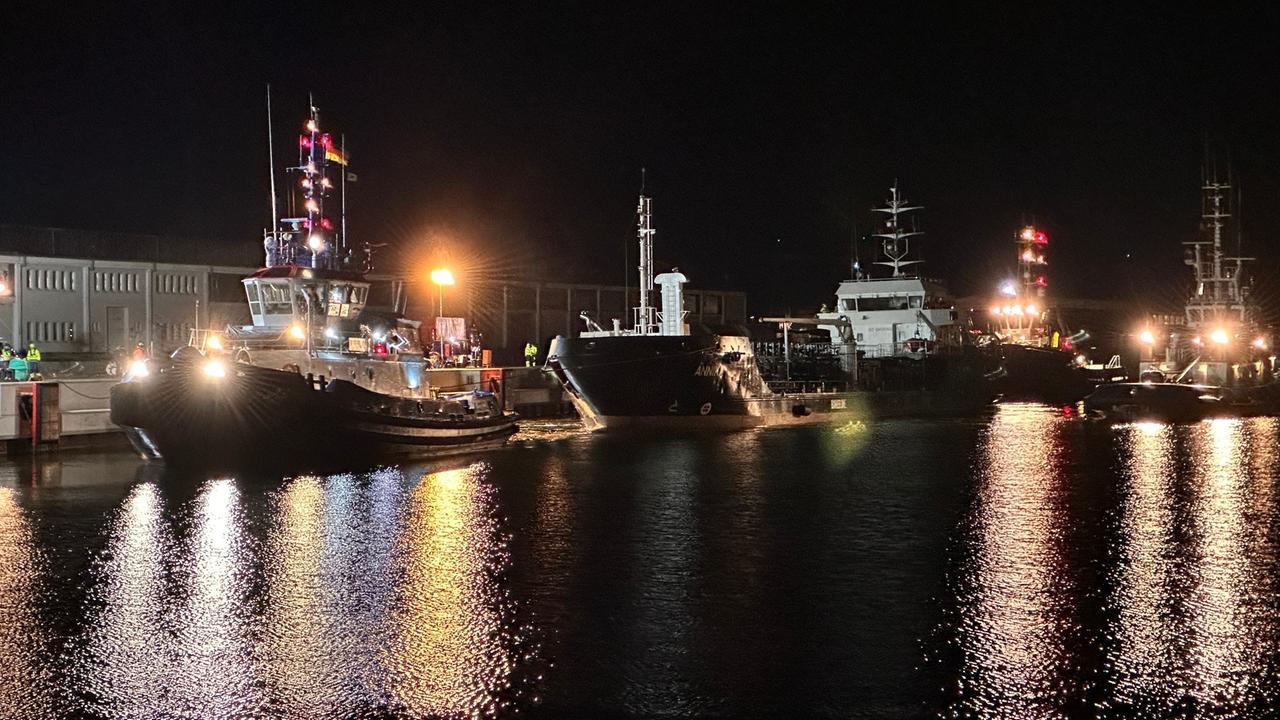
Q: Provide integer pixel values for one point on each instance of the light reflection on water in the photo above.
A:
(26, 684)
(1092, 571)
(1170, 610)
(1014, 609)
(371, 595)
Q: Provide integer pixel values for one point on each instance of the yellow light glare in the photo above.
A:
(213, 343)
(297, 333)
(139, 369)
(315, 242)
(215, 369)
(1260, 343)
(1031, 310)
(995, 309)
(1219, 336)
(1146, 337)
(442, 276)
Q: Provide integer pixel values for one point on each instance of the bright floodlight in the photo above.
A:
(1146, 337)
(1219, 336)
(213, 343)
(297, 332)
(139, 369)
(1031, 309)
(1008, 289)
(215, 369)
(442, 276)
(1260, 343)
(995, 309)
(315, 242)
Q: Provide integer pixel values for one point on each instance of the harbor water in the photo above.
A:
(1028, 564)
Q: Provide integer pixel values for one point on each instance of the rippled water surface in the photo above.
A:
(1023, 565)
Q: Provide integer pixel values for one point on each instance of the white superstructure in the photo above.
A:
(903, 315)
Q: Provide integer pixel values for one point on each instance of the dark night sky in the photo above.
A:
(519, 134)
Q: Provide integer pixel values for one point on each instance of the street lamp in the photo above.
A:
(442, 277)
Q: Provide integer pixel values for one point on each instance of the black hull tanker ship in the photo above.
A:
(317, 379)
(660, 374)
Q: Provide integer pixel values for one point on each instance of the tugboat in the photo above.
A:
(660, 373)
(318, 378)
(1219, 341)
(1038, 357)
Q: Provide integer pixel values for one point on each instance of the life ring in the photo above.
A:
(705, 409)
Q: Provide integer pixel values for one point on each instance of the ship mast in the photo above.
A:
(1218, 295)
(894, 238)
(644, 321)
(310, 239)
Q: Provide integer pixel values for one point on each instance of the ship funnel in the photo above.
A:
(672, 303)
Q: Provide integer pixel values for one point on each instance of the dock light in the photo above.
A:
(331, 333)
(1008, 289)
(995, 309)
(215, 369)
(315, 242)
(1260, 343)
(1031, 310)
(213, 343)
(1017, 309)
(1146, 338)
(297, 333)
(1219, 336)
(138, 368)
(441, 277)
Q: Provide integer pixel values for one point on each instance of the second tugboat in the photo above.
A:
(1038, 358)
(317, 378)
(1217, 350)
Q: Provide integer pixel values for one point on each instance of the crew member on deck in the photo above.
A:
(139, 352)
(33, 358)
(530, 354)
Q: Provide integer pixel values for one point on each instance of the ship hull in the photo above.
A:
(261, 417)
(712, 382)
(1041, 374)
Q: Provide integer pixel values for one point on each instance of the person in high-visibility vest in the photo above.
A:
(530, 354)
(33, 358)
(6, 354)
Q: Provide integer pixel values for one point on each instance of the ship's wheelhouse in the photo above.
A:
(281, 296)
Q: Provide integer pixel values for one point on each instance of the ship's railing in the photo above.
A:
(788, 387)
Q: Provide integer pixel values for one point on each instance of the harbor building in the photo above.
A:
(85, 292)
